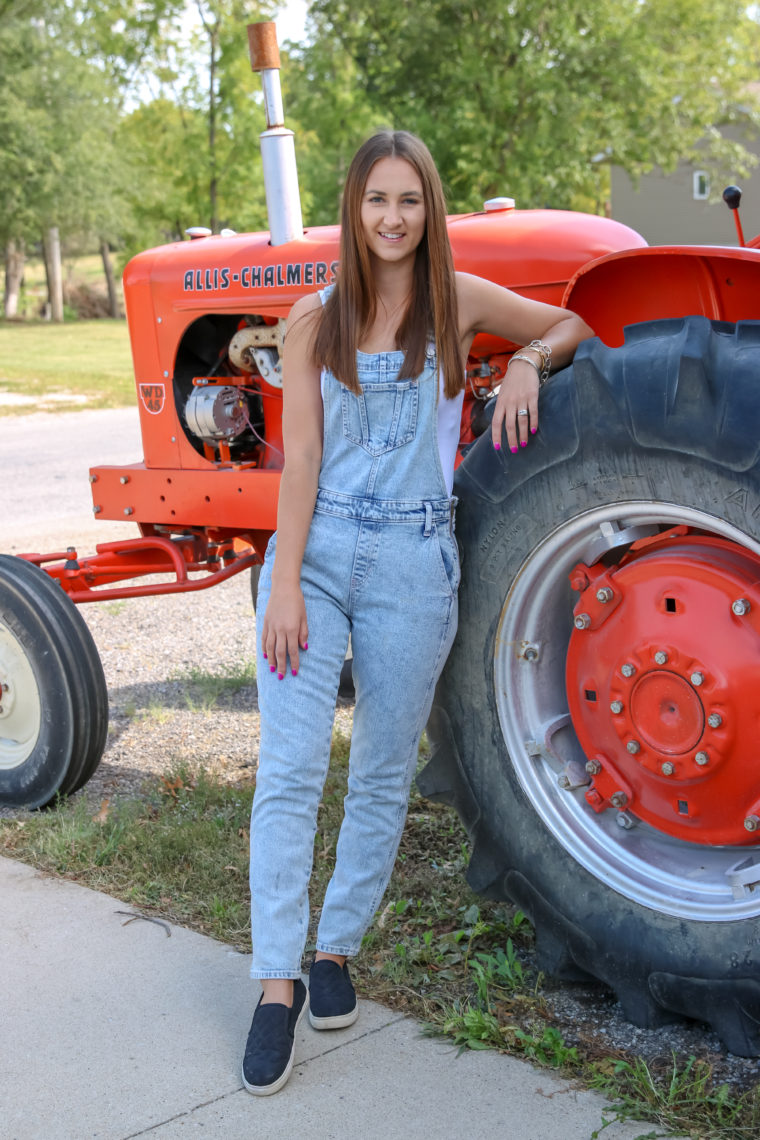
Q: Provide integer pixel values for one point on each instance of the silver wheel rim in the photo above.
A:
(653, 869)
(20, 704)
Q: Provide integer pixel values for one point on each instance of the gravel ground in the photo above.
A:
(151, 648)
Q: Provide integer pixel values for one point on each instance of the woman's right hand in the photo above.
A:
(285, 630)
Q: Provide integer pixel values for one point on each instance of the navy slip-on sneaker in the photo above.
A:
(332, 1000)
(270, 1047)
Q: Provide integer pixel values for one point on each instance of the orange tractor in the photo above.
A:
(597, 725)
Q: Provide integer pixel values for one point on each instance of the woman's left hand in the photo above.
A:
(516, 406)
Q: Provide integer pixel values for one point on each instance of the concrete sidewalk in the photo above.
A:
(109, 1029)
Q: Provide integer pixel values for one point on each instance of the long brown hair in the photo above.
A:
(352, 306)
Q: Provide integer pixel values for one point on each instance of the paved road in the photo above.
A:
(44, 467)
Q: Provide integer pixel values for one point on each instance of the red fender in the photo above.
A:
(659, 282)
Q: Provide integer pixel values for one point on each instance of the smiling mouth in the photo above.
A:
(391, 237)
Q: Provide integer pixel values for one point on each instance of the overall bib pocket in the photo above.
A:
(383, 417)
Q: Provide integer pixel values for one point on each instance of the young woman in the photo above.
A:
(373, 389)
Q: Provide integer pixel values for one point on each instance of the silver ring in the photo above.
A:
(522, 411)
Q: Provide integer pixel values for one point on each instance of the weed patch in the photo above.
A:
(204, 690)
(679, 1095)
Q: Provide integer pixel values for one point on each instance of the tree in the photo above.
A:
(332, 114)
(530, 97)
(59, 168)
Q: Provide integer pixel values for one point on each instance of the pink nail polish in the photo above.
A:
(263, 654)
(523, 443)
(513, 450)
(533, 431)
(280, 676)
(271, 668)
(294, 672)
(497, 447)
(306, 645)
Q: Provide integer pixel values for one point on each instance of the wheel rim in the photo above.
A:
(20, 704)
(645, 863)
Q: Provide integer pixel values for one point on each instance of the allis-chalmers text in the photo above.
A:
(260, 277)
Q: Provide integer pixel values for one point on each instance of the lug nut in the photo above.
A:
(616, 706)
(604, 594)
(702, 758)
(633, 747)
(593, 767)
(582, 621)
(697, 678)
(715, 720)
(578, 580)
(661, 657)
(628, 670)
(624, 819)
(618, 799)
(751, 823)
(564, 781)
(740, 607)
(667, 768)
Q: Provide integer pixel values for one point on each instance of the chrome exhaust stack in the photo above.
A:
(277, 143)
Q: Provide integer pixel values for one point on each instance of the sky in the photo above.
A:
(290, 22)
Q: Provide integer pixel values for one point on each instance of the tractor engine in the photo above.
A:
(226, 368)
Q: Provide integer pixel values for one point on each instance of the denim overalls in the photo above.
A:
(381, 565)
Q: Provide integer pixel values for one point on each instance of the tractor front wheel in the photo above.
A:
(53, 697)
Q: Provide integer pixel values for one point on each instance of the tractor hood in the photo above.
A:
(535, 252)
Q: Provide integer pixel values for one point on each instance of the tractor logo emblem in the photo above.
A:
(152, 396)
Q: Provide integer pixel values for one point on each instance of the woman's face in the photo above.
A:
(393, 210)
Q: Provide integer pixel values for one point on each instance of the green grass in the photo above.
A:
(88, 359)
(204, 690)
(461, 964)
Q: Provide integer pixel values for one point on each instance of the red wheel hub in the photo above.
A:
(666, 712)
(663, 672)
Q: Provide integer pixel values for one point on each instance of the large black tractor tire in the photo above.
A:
(54, 719)
(632, 441)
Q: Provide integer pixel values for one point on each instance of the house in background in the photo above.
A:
(681, 208)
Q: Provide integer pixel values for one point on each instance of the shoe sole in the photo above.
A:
(267, 1090)
(338, 1021)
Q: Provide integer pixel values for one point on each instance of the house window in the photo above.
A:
(701, 185)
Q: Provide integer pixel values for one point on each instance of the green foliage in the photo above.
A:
(325, 98)
(680, 1095)
(204, 690)
(535, 99)
(118, 122)
(58, 115)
